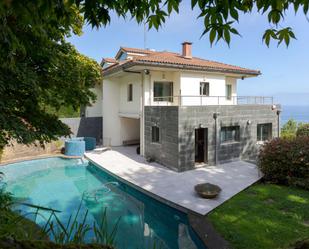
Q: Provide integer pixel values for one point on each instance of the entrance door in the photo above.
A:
(201, 145)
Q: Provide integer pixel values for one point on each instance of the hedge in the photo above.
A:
(286, 161)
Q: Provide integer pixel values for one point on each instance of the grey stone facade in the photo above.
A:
(176, 149)
(166, 151)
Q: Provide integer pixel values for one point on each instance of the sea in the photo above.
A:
(298, 113)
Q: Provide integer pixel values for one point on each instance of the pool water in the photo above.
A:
(64, 184)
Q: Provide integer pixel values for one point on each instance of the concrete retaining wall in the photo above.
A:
(86, 127)
(81, 127)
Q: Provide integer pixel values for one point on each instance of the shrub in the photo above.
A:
(286, 161)
(289, 129)
(303, 130)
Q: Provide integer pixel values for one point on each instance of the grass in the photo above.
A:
(264, 216)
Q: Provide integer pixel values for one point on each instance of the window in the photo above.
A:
(123, 56)
(155, 134)
(228, 92)
(130, 92)
(264, 132)
(230, 134)
(204, 88)
(163, 91)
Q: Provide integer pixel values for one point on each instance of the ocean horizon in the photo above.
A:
(299, 113)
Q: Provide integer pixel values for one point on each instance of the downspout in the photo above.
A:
(215, 116)
(278, 122)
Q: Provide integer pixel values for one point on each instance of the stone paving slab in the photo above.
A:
(176, 189)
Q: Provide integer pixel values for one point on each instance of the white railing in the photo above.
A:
(189, 100)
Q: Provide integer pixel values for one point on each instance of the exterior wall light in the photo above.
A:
(146, 71)
(273, 107)
(278, 121)
(249, 122)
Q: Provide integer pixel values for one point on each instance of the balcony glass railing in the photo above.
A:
(190, 100)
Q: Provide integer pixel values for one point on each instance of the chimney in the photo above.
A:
(187, 50)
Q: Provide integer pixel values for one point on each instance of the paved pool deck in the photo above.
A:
(176, 189)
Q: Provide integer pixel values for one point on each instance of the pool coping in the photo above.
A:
(37, 157)
(157, 197)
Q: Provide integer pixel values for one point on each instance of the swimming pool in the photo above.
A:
(64, 184)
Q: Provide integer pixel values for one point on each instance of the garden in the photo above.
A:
(273, 213)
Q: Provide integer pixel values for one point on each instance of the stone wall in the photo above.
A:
(166, 151)
(19, 151)
(247, 117)
(178, 124)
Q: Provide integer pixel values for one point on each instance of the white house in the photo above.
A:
(161, 99)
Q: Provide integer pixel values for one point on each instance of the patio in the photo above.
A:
(173, 188)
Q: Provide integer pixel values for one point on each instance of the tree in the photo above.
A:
(39, 69)
(219, 15)
(289, 129)
(302, 130)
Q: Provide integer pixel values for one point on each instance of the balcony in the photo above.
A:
(190, 100)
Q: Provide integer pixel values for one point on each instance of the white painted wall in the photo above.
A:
(117, 126)
(190, 88)
(130, 129)
(111, 120)
(125, 106)
(95, 110)
(161, 76)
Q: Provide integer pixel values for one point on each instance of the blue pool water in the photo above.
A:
(64, 184)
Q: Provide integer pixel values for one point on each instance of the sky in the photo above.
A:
(284, 70)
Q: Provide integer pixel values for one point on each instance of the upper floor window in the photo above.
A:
(264, 132)
(155, 134)
(130, 92)
(228, 91)
(163, 91)
(229, 134)
(204, 88)
(123, 56)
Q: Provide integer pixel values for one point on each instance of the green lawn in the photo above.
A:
(264, 216)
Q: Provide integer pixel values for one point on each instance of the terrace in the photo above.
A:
(201, 100)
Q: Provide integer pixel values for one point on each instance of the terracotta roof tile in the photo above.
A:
(174, 58)
(137, 50)
(170, 59)
(109, 60)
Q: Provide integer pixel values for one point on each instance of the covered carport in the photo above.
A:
(130, 128)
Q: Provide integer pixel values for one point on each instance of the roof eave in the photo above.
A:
(247, 73)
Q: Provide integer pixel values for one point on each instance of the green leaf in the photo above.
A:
(193, 3)
(227, 36)
(234, 31)
(212, 35)
(234, 13)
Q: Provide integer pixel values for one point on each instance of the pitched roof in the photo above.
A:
(137, 50)
(109, 60)
(133, 50)
(175, 60)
